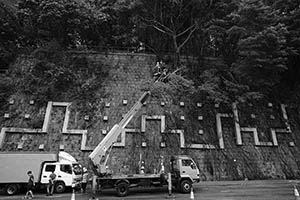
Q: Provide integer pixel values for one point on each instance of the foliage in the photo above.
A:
(9, 33)
(6, 88)
(71, 23)
(244, 49)
(174, 86)
(290, 15)
(53, 74)
(249, 54)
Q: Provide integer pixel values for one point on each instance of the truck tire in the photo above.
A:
(186, 186)
(11, 189)
(59, 187)
(122, 189)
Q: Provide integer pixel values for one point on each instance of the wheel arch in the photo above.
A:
(122, 181)
(60, 182)
(12, 188)
(185, 178)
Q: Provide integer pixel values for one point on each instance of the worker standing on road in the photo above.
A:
(84, 180)
(50, 186)
(30, 186)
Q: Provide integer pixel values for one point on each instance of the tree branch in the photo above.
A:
(167, 29)
(160, 30)
(188, 37)
(158, 26)
(186, 30)
(173, 26)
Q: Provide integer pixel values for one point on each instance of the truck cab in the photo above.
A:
(67, 170)
(67, 173)
(185, 172)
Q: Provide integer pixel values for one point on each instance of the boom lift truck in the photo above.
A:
(183, 170)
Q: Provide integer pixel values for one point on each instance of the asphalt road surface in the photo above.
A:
(221, 190)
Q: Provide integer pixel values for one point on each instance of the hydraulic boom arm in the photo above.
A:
(100, 154)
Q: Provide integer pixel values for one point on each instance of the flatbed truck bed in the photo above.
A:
(122, 183)
(132, 176)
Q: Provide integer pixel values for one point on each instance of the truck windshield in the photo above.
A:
(77, 169)
(188, 163)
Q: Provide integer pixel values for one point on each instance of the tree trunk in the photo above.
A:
(176, 55)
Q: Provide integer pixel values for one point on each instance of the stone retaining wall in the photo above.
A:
(237, 141)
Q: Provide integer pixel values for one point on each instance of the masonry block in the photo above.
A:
(31, 102)
(182, 118)
(61, 147)
(125, 102)
(144, 144)
(201, 132)
(162, 144)
(200, 118)
(270, 105)
(104, 132)
(20, 146)
(105, 118)
(253, 116)
(181, 104)
(199, 105)
(11, 101)
(27, 116)
(162, 103)
(107, 104)
(86, 118)
(291, 144)
(41, 147)
(6, 115)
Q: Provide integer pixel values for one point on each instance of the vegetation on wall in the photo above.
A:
(50, 73)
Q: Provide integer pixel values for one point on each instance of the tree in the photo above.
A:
(289, 12)
(121, 29)
(71, 23)
(177, 19)
(248, 52)
(9, 33)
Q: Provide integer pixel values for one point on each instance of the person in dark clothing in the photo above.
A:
(30, 186)
(50, 186)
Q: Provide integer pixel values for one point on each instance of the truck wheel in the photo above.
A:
(186, 186)
(60, 187)
(11, 189)
(122, 189)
